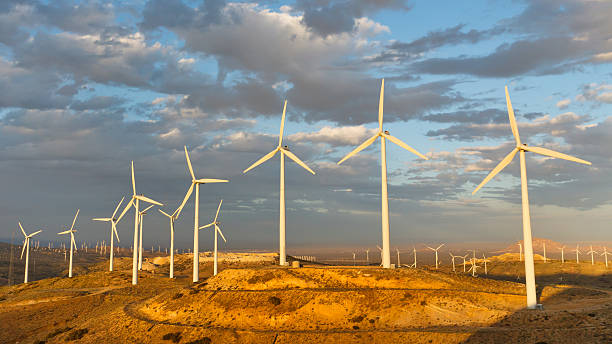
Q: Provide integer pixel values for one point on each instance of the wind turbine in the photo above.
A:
(605, 254)
(562, 256)
(173, 218)
(464, 261)
(283, 151)
(521, 149)
(72, 242)
(577, 253)
(368, 256)
(398, 257)
(414, 265)
(196, 221)
(113, 222)
(473, 267)
(485, 263)
(135, 201)
(26, 248)
(544, 246)
(217, 230)
(141, 215)
(453, 259)
(353, 258)
(384, 135)
(435, 250)
(591, 252)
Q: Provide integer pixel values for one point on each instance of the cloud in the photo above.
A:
(562, 104)
(336, 136)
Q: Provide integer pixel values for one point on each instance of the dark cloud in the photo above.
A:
(328, 17)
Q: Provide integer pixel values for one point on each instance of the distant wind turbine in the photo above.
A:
(544, 247)
(141, 215)
(173, 218)
(26, 248)
(453, 259)
(562, 256)
(577, 253)
(217, 230)
(113, 221)
(591, 252)
(135, 201)
(485, 263)
(435, 250)
(398, 257)
(283, 151)
(384, 135)
(605, 254)
(521, 149)
(368, 256)
(473, 267)
(414, 265)
(464, 257)
(73, 245)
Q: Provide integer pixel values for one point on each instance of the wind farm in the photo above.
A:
(401, 197)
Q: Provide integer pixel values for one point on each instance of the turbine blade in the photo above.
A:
(73, 242)
(25, 242)
(208, 225)
(210, 181)
(219, 230)
(431, 248)
(403, 145)
(282, 127)
(360, 147)
(381, 101)
(513, 125)
(115, 231)
(118, 206)
(33, 234)
(64, 232)
(163, 212)
(147, 208)
(554, 154)
(133, 179)
(22, 231)
(379, 248)
(127, 207)
(104, 219)
(297, 160)
(187, 195)
(262, 160)
(217, 214)
(189, 164)
(439, 247)
(148, 200)
(497, 169)
(75, 217)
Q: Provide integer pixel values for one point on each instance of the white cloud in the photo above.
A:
(337, 136)
(562, 104)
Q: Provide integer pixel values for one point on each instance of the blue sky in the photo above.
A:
(90, 86)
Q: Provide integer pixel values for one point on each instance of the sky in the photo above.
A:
(89, 86)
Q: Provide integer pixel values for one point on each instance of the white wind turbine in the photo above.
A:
(605, 253)
(135, 201)
(216, 224)
(73, 245)
(473, 267)
(368, 256)
(141, 215)
(26, 248)
(173, 218)
(453, 259)
(435, 250)
(283, 151)
(562, 256)
(521, 148)
(591, 252)
(113, 222)
(544, 247)
(485, 263)
(196, 222)
(414, 265)
(398, 257)
(464, 257)
(384, 135)
(577, 253)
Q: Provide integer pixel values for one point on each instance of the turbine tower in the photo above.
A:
(216, 224)
(577, 253)
(135, 201)
(73, 245)
(26, 248)
(384, 135)
(141, 215)
(591, 252)
(521, 148)
(520, 251)
(562, 256)
(605, 253)
(113, 222)
(283, 151)
(196, 219)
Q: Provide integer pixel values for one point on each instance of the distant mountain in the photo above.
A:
(551, 246)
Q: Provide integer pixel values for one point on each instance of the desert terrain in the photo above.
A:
(252, 300)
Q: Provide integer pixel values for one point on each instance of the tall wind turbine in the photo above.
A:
(485, 263)
(435, 250)
(196, 222)
(591, 252)
(562, 256)
(577, 253)
(216, 224)
(73, 245)
(398, 258)
(384, 135)
(173, 218)
(414, 265)
(283, 151)
(605, 253)
(135, 201)
(113, 221)
(26, 248)
(141, 215)
(521, 149)
(464, 257)
(453, 259)
(544, 247)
